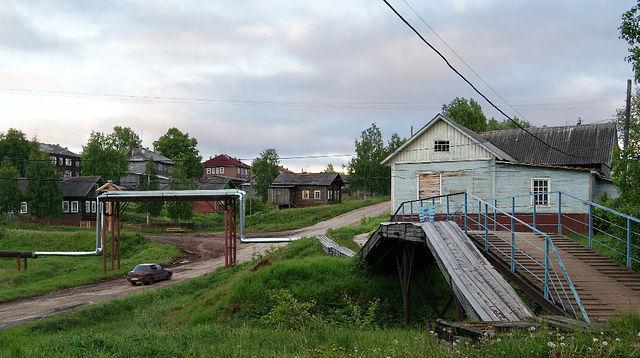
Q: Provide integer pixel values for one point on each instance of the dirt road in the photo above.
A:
(16, 312)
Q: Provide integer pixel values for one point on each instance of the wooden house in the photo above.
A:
(445, 157)
(226, 166)
(66, 162)
(305, 189)
(137, 159)
(215, 183)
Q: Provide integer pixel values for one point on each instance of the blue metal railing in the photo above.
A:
(596, 224)
(556, 285)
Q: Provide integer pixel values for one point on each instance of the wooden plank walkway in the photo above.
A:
(332, 248)
(605, 287)
(483, 293)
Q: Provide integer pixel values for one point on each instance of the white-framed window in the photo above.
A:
(23, 207)
(61, 161)
(54, 160)
(329, 194)
(93, 206)
(67, 162)
(208, 170)
(221, 170)
(217, 170)
(441, 146)
(87, 206)
(74, 206)
(540, 188)
(316, 194)
(429, 185)
(305, 195)
(67, 173)
(65, 206)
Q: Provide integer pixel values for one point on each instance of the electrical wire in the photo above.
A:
(471, 84)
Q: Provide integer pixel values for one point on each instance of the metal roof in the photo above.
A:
(170, 195)
(57, 149)
(70, 186)
(144, 154)
(224, 160)
(591, 144)
(289, 179)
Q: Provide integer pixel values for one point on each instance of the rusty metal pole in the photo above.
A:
(234, 236)
(104, 241)
(112, 229)
(226, 235)
(18, 262)
(118, 237)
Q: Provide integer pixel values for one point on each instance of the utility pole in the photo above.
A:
(627, 117)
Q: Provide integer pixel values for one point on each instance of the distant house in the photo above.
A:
(445, 157)
(226, 166)
(305, 189)
(137, 160)
(215, 183)
(66, 162)
(78, 197)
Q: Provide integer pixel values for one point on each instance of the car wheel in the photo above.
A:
(133, 284)
(169, 275)
(150, 281)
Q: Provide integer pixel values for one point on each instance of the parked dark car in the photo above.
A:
(147, 274)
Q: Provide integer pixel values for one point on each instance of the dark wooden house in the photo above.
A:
(66, 162)
(305, 189)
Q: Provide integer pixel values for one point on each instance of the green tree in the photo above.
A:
(43, 192)
(179, 180)
(174, 144)
(394, 143)
(100, 157)
(265, 169)
(495, 125)
(365, 170)
(630, 32)
(10, 196)
(466, 112)
(124, 139)
(149, 181)
(15, 146)
(329, 169)
(626, 163)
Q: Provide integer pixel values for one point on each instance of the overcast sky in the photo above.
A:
(304, 77)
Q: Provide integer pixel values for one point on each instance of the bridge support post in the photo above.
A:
(546, 267)
(590, 233)
(404, 260)
(486, 227)
(513, 234)
(466, 225)
(559, 213)
(629, 243)
(495, 214)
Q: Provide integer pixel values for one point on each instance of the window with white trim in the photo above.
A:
(61, 161)
(217, 170)
(305, 194)
(74, 206)
(23, 207)
(65, 206)
(329, 194)
(317, 194)
(67, 162)
(221, 170)
(67, 173)
(208, 170)
(93, 206)
(441, 146)
(87, 206)
(54, 160)
(540, 188)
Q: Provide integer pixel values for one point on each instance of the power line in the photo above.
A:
(471, 84)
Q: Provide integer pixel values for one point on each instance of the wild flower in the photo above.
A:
(562, 345)
(498, 340)
(532, 328)
(395, 341)
(562, 338)
(551, 345)
(595, 340)
(431, 333)
(617, 339)
(604, 343)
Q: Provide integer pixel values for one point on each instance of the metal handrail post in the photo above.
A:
(513, 235)
(466, 228)
(479, 215)
(546, 267)
(559, 213)
(590, 226)
(447, 203)
(486, 227)
(495, 214)
(402, 213)
(411, 211)
(628, 243)
(535, 205)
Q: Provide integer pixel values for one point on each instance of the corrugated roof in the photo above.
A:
(70, 186)
(214, 183)
(144, 154)
(56, 149)
(592, 144)
(224, 160)
(288, 179)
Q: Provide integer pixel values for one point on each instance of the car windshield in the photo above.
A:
(140, 268)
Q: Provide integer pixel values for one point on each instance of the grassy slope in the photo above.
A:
(344, 235)
(54, 273)
(230, 313)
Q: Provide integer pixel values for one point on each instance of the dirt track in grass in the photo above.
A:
(203, 254)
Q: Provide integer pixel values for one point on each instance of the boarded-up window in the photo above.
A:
(428, 185)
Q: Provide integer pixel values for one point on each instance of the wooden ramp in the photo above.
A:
(483, 293)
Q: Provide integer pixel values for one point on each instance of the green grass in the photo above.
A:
(344, 235)
(49, 274)
(288, 219)
(232, 312)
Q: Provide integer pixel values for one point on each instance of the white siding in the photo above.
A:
(461, 146)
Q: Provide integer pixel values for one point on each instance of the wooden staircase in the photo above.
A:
(604, 286)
